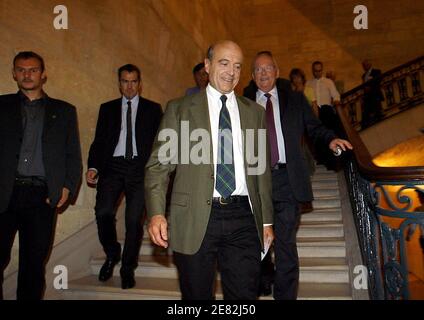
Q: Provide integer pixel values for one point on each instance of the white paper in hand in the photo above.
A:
(267, 245)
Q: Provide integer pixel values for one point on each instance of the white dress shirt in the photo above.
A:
(121, 146)
(325, 90)
(261, 99)
(215, 105)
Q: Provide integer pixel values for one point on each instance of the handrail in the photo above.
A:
(364, 160)
(362, 156)
(382, 76)
(400, 89)
(383, 245)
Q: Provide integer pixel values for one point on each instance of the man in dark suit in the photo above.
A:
(373, 96)
(123, 141)
(40, 169)
(220, 204)
(288, 116)
(267, 265)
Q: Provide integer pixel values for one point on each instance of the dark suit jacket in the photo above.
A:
(373, 90)
(296, 116)
(61, 147)
(108, 129)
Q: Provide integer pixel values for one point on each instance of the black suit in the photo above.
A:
(292, 184)
(373, 96)
(23, 208)
(118, 175)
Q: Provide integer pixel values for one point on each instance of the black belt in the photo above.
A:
(232, 199)
(31, 181)
(279, 166)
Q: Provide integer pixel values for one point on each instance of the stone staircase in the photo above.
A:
(324, 273)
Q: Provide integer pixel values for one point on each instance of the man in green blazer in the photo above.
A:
(221, 207)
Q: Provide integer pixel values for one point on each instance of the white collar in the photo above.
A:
(134, 101)
(273, 92)
(216, 95)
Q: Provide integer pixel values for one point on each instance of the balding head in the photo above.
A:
(223, 64)
(265, 71)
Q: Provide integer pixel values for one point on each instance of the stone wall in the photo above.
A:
(302, 31)
(393, 131)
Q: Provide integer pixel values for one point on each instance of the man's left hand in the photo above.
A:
(63, 199)
(341, 143)
(268, 234)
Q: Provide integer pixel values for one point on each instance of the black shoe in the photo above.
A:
(106, 272)
(127, 279)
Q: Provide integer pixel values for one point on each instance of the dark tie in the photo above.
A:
(225, 174)
(129, 145)
(272, 133)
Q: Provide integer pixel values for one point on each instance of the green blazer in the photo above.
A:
(193, 186)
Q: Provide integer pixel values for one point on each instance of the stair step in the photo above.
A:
(321, 168)
(324, 291)
(319, 270)
(324, 270)
(324, 184)
(149, 248)
(324, 174)
(326, 192)
(314, 225)
(91, 288)
(323, 249)
(161, 288)
(333, 215)
(324, 177)
(305, 249)
(333, 230)
(328, 202)
(318, 215)
(314, 239)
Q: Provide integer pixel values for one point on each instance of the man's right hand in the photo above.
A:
(158, 230)
(91, 176)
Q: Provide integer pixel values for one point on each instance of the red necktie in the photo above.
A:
(272, 133)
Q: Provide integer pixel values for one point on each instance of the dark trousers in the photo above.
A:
(29, 215)
(267, 272)
(286, 224)
(231, 242)
(121, 176)
(328, 116)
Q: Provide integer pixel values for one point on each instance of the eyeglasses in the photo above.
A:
(268, 68)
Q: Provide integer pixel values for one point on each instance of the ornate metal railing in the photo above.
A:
(383, 245)
(402, 88)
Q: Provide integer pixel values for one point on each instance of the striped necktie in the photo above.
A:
(225, 174)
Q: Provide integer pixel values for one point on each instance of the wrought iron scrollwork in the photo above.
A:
(384, 246)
